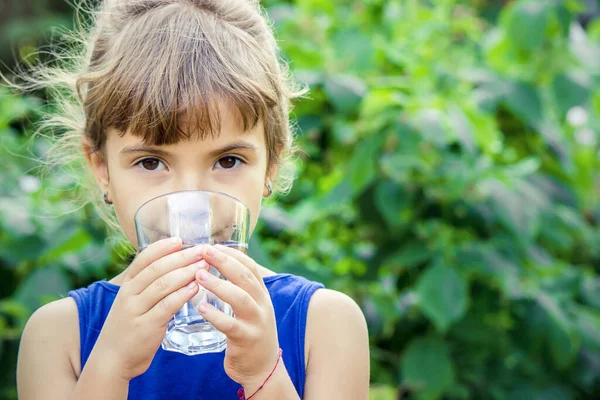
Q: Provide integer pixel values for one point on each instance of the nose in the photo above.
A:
(193, 180)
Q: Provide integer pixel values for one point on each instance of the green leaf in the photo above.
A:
(488, 95)
(430, 125)
(18, 313)
(570, 90)
(26, 248)
(410, 255)
(380, 392)
(563, 340)
(427, 368)
(258, 253)
(443, 296)
(585, 50)
(340, 194)
(462, 129)
(353, 49)
(507, 203)
(14, 107)
(523, 100)
(486, 260)
(345, 92)
(363, 168)
(587, 322)
(391, 200)
(42, 285)
(590, 291)
(399, 166)
(75, 242)
(526, 23)
(564, 17)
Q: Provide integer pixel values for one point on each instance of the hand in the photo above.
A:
(158, 283)
(252, 343)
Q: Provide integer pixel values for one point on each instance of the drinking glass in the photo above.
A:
(197, 217)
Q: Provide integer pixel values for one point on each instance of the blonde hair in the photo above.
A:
(142, 65)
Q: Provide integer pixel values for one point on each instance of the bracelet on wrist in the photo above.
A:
(242, 395)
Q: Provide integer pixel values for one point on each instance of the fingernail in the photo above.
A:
(200, 265)
(202, 308)
(210, 251)
(203, 275)
(198, 251)
(192, 286)
(175, 240)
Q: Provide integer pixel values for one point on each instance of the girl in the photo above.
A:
(186, 95)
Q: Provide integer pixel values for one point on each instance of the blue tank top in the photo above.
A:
(177, 376)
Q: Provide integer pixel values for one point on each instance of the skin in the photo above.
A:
(162, 278)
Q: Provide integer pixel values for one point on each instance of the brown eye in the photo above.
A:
(228, 162)
(150, 164)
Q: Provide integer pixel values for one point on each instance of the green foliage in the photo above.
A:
(463, 185)
(427, 368)
(443, 296)
(449, 183)
(47, 246)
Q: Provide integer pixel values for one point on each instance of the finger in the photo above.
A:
(242, 303)
(152, 253)
(165, 309)
(163, 266)
(245, 260)
(226, 324)
(234, 271)
(167, 284)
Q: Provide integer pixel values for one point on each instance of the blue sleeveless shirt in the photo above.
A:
(177, 376)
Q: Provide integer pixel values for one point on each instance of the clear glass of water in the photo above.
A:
(197, 217)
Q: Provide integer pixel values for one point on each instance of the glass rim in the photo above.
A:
(210, 192)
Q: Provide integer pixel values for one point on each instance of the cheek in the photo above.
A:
(250, 192)
(127, 200)
(254, 211)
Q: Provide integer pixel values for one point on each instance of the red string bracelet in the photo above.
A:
(242, 395)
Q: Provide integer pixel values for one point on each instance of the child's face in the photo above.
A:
(235, 163)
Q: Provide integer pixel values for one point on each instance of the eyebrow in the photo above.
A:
(238, 145)
(141, 148)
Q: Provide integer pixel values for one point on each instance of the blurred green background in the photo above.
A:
(449, 182)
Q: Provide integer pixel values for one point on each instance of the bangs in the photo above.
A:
(171, 74)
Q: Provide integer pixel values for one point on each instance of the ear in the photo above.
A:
(271, 173)
(98, 165)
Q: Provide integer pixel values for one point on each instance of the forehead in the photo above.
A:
(225, 123)
(231, 130)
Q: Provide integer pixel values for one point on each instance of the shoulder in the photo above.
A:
(55, 324)
(292, 286)
(337, 343)
(55, 313)
(48, 365)
(329, 308)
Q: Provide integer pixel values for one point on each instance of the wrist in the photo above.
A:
(107, 367)
(253, 387)
(99, 381)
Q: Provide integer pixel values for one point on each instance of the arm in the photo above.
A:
(336, 335)
(98, 382)
(44, 368)
(279, 386)
(48, 364)
(158, 282)
(337, 342)
(338, 354)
